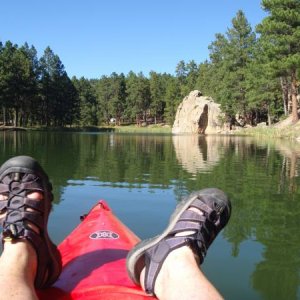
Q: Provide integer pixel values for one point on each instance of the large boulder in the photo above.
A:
(190, 110)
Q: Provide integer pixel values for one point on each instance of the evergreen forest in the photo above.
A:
(252, 72)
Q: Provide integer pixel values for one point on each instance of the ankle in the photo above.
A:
(19, 258)
(171, 271)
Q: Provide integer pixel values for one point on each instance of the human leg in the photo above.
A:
(181, 278)
(167, 265)
(18, 264)
(29, 259)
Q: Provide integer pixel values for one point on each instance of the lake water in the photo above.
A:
(142, 177)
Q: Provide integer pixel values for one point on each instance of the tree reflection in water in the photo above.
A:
(261, 177)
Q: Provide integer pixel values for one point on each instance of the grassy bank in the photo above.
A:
(147, 129)
(277, 131)
(281, 130)
(158, 129)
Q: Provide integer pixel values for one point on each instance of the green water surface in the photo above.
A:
(142, 177)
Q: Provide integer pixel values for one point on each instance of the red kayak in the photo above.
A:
(94, 260)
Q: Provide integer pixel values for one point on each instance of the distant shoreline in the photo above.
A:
(125, 128)
(285, 131)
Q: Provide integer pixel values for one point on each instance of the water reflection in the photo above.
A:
(197, 153)
(266, 201)
(262, 178)
(291, 154)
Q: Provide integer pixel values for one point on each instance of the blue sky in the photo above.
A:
(98, 37)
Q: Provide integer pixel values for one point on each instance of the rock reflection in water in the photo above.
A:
(197, 153)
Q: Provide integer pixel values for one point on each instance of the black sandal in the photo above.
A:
(151, 253)
(20, 176)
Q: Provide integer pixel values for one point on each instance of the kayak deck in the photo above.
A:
(94, 260)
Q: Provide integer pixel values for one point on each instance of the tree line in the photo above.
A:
(256, 73)
(253, 74)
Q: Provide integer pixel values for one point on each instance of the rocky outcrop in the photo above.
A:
(190, 110)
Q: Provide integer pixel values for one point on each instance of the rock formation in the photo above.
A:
(190, 110)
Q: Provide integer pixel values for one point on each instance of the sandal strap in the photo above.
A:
(3, 188)
(29, 182)
(18, 216)
(3, 203)
(3, 206)
(198, 232)
(204, 232)
(199, 224)
(206, 210)
(39, 245)
(17, 223)
(155, 255)
(21, 212)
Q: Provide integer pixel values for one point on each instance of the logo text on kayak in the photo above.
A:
(104, 234)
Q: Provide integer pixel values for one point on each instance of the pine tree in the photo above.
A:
(87, 102)
(205, 80)
(262, 88)
(118, 96)
(226, 74)
(217, 72)
(47, 86)
(173, 98)
(192, 75)
(181, 74)
(17, 82)
(138, 96)
(31, 100)
(103, 93)
(157, 92)
(241, 40)
(280, 32)
(57, 91)
(7, 79)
